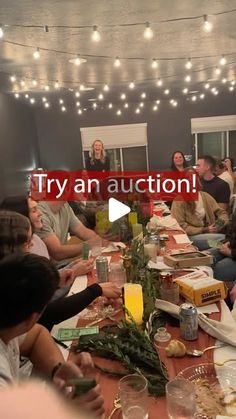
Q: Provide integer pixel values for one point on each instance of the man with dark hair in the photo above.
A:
(27, 283)
(212, 184)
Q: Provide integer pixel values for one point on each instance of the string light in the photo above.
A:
(95, 34)
(95, 105)
(175, 103)
(232, 82)
(22, 83)
(47, 105)
(224, 80)
(77, 61)
(81, 87)
(100, 96)
(166, 91)
(158, 102)
(117, 62)
(118, 112)
(213, 89)
(26, 96)
(36, 54)
(207, 26)
(131, 85)
(63, 109)
(159, 82)
(185, 90)
(61, 101)
(126, 105)
(123, 96)
(154, 63)
(141, 104)
(202, 95)
(143, 95)
(110, 106)
(194, 98)
(216, 92)
(188, 64)
(137, 110)
(32, 100)
(77, 104)
(44, 99)
(34, 82)
(57, 85)
(77, 94)
(17, 95)
(217, 70)
(80, 112)
(148, 32)
(187, 78)
(13, 79)
(106, 88)
(1, 32)
(223, 60)
(155, 108)
(207, 85)
(231, 88)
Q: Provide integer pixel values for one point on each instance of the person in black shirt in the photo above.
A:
(98, 160)
(213, 185)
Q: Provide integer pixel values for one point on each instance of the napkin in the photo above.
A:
(223, 330)
(166, 222)
(113, 247)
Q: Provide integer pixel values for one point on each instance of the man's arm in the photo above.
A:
(83, 232)
(60, 251)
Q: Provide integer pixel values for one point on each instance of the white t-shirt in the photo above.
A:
(226, 176)
(199, 208)
(39, 247)
(10, 360)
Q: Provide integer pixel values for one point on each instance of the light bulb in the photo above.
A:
(1, 32)
(110, 106)
(148, 32)
(141, 104)
(166, 91)
(81, 87)
(126, 105)
(158, 101)
(143, 95)
(32, 100)
(202, 95)
(61, 101)
(175, 103)
(207, 26)
(77, 61)
(217, 70)
(123, 96)
(100, 96)
(80, 111)
(213, 89)
(94, 105)
(17, 95)
(159, 82)
(56, 85)
(154, 63)
(47, 105)
(44, 99)
(185, 90)
(36, 54)
(155, 108)
(77, 103)
(137, 110)
(231, 88)
(95, 34)
(188, 78)
(223, 60)
(63, 109)
(22, 83)
(26, 96)
(207, 85)
(224, 80)
(117, 62)
(34, 82)
(188, 64)
(77, 94)
(194, 98)
(131, 85)
(172, 101)
(13, 79)
(232, 82)
(118, 112)
(106, 88)
(46, 88)
(216, 92)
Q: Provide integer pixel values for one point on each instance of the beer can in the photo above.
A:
(188, 318)
(102, 269)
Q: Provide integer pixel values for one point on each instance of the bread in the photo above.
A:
(176, 349)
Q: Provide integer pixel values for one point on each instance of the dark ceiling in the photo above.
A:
(172, 43)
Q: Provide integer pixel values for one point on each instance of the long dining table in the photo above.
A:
(109, 384)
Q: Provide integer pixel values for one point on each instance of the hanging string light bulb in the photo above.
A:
(96, 37)
(77, 61)
(131, 85)
(1, 32)
(207, 26)
(217, 70)
(117, 62)
(154, 63)
(56, 85)
(188, 78)
(13, 79)
(188, 64)
(106, 88)
(148, 32)
(36, 54)
(159, 82)
(223, 60)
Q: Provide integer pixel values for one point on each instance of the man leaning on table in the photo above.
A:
(58, 220)
(27, 283)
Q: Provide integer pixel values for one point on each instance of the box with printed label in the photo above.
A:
(201, 289)
(187, 259)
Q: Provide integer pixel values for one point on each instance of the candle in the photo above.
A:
(150, 250)
(133, 299)
(133, 217)
(137, 229)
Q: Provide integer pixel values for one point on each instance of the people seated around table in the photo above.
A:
(202, 220)
(213, 185)
(224, 258)
(178, 161)
(58, 220)
(98, 159)
(27, 284)
(222, 172)
(15, 236)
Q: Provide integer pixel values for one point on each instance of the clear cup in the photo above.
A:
(180, 398)
(133, 395)
(95, 246)
(118, 277)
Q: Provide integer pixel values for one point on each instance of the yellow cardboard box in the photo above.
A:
(201, 289)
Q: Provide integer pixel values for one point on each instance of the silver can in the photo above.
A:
(188, 318)
(102, 269)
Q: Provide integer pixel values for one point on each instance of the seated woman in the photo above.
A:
(15, 236)
(201, 220)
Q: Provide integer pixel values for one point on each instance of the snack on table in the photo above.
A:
(176, 349)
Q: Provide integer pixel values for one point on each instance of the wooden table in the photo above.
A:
(157, 406)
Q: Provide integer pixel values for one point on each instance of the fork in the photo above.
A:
(117, 406)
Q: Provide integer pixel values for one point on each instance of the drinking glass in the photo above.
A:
(118, 277)
(180, 398)
(133, 396)
(95, 246)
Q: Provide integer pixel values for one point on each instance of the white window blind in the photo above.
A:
(115, 136)
(213, 124)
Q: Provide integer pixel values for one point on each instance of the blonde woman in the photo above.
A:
(98, 160)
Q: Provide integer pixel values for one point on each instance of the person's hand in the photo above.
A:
(225, 249)
(233, 294)
(91, 402)
(212, 228)
(110, 290)
(65, 372)
(67, 277)
(83, 267)
(85, 363)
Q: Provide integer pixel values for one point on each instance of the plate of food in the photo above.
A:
(215, 389)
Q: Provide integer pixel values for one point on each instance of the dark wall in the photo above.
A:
(18, 145)
(169, 129)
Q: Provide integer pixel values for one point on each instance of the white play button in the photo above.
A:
(116, 209)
